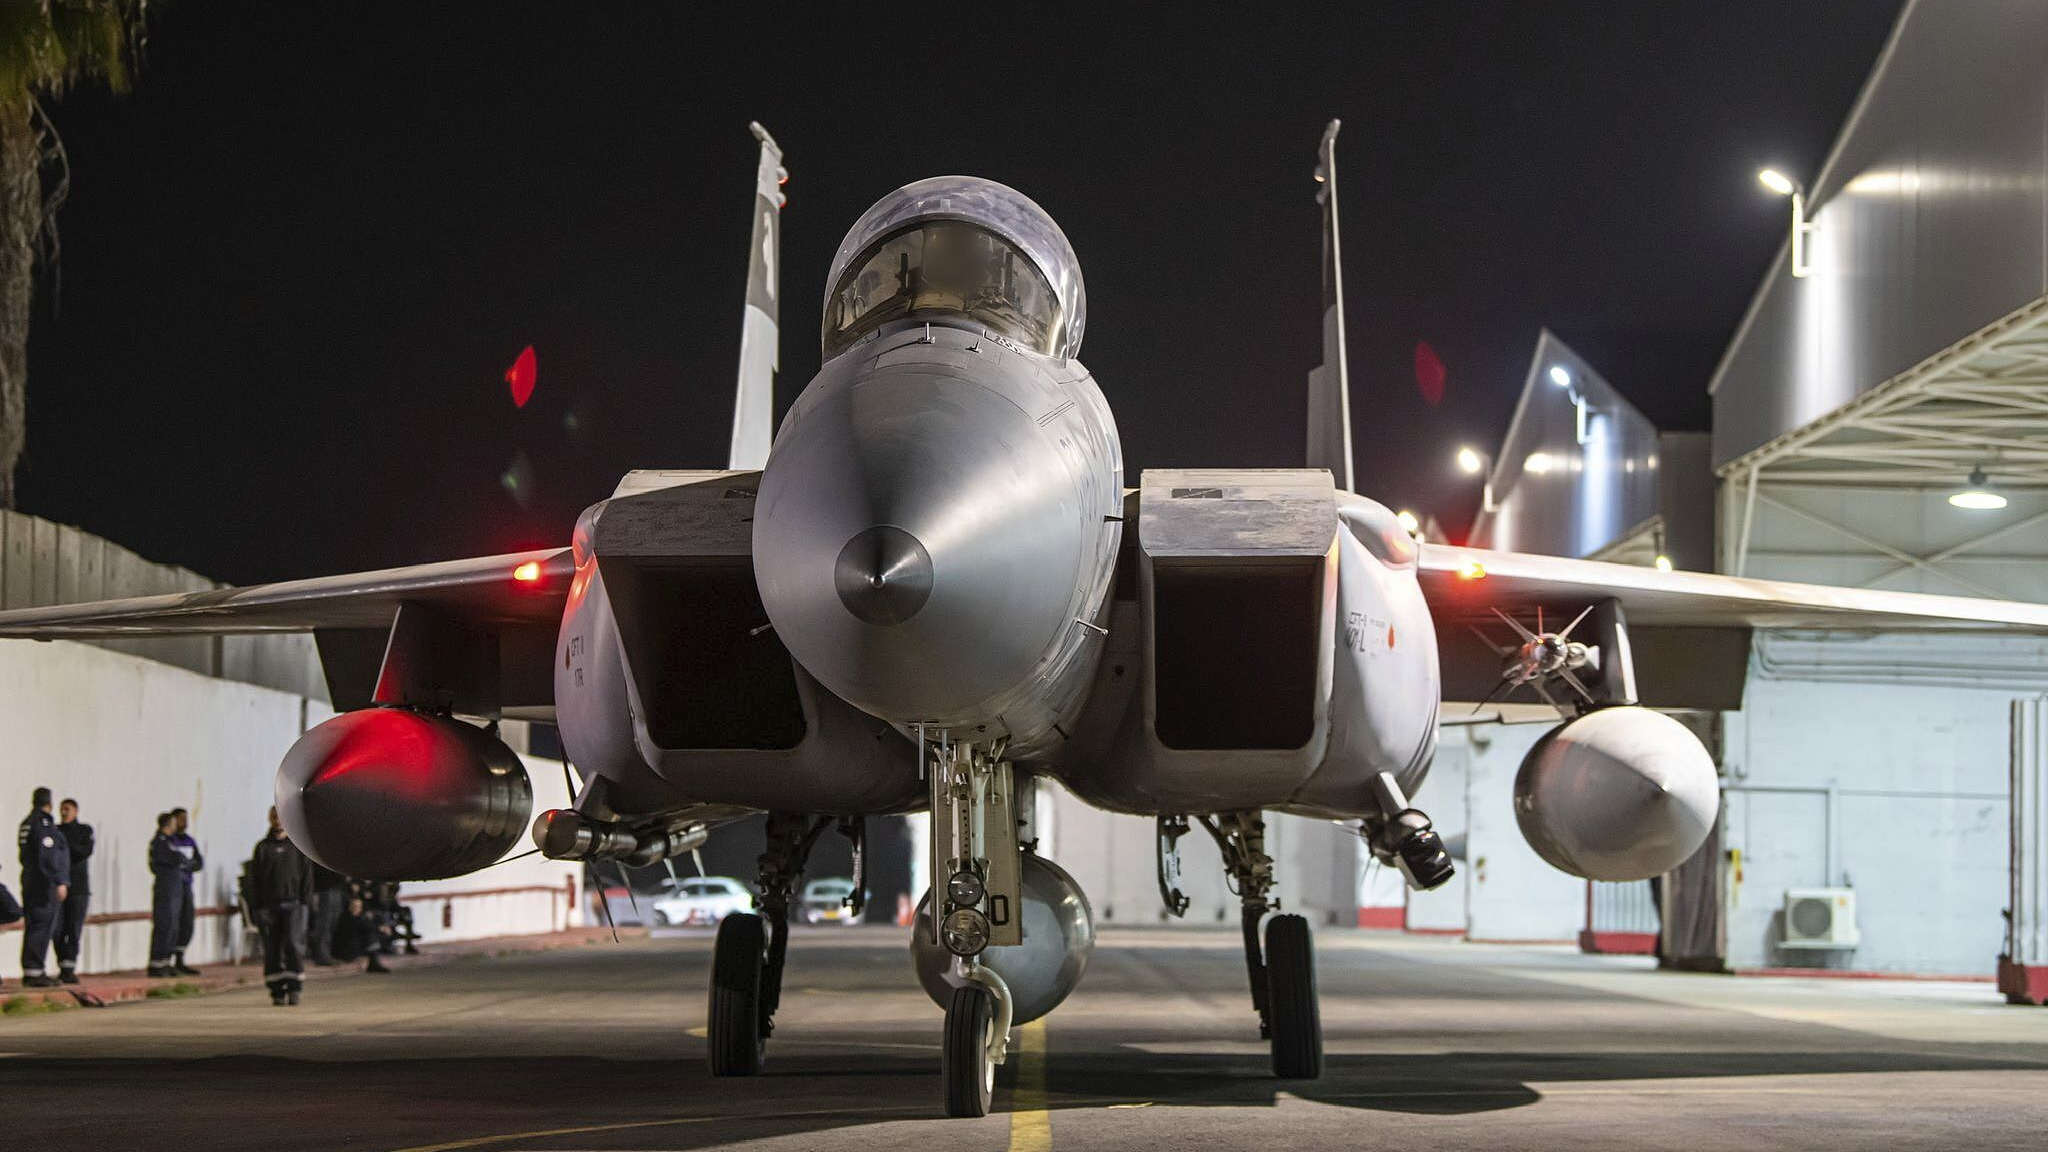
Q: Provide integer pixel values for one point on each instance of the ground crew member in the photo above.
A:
(71, 922)
(167, 866)
(45, 881)
(187, 912)
(280, 889)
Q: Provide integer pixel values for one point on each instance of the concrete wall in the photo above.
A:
(130, 737)
(1878, 763)
(43, 562)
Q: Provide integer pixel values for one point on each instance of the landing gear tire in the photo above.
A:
(1296, 1021)
(964, 1062)
(737, 1046)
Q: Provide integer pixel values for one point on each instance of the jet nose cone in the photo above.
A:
(883, 575)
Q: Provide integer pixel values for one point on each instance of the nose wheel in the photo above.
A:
(965, 1061)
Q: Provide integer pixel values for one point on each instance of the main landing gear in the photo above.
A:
(1283, 972)
(746, 961)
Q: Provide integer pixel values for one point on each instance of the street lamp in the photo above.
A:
(1473, 462)
(1782, 185)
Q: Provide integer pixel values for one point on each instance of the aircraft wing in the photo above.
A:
(1689, 631)
(513, 589)
(477, 635)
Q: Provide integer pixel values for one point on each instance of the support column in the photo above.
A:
(2023, 969)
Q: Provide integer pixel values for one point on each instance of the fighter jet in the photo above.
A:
(935, 589)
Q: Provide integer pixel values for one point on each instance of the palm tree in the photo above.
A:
(46, 47)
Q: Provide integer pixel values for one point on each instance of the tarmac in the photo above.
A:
(1431, 1044)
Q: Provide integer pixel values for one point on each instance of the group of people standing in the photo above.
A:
(297, 906)
(56, 891)
(56, 888)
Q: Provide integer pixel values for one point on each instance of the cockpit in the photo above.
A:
(944, 268)
(957, 250)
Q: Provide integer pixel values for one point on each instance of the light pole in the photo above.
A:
(1473, 462)
(1784, 185)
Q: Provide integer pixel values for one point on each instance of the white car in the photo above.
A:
(824, 901)
(703, 900)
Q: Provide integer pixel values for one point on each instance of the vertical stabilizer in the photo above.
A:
(1329, 389)
(753, 413)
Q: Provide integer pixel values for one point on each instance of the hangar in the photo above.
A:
(1880, 420)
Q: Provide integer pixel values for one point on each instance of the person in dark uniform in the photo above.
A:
(71, 921)
(167, 866)
(187, 912)
(330, 897)
(280, 890)
(360, 933)
(45, 882)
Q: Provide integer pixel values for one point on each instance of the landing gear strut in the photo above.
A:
(746, 962)
(1283, 972)
(976, 870)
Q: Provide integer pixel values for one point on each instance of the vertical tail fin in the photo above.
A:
(1329, 388)
(753, 414)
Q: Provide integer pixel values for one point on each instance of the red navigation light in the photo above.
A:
(527, 573)
(522, 376)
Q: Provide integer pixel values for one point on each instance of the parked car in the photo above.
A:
(824, 901)
(703, 900)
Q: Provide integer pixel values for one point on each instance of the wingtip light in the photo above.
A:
(527, 573)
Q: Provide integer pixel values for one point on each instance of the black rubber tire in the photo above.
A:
(963, 1060)
(737, 1047)
(1296, 1020)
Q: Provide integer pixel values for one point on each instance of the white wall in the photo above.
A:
(130, 737)
(1503, 890)
(1918, 775)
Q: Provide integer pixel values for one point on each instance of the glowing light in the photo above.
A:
(1539, 463)
(1776, 181)
(1470, 462)
(1978, 497)
(522, 376)
(1663, 563)
(1409, 523)
(1560, 376)
(1471, 570)
(527, 573)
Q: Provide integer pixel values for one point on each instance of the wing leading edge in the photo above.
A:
(1686, 635)
(517, 588)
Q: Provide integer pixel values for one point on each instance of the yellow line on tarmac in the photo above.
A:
(1030, 1123)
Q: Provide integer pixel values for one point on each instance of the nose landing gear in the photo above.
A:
(976, 869)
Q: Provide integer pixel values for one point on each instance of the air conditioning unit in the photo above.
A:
(1820, 918)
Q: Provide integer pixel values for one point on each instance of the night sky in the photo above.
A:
(299, 257)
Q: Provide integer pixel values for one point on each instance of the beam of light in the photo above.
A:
(1470, 461)
(1776, 181)
(1539, 463)
(1560, 376)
